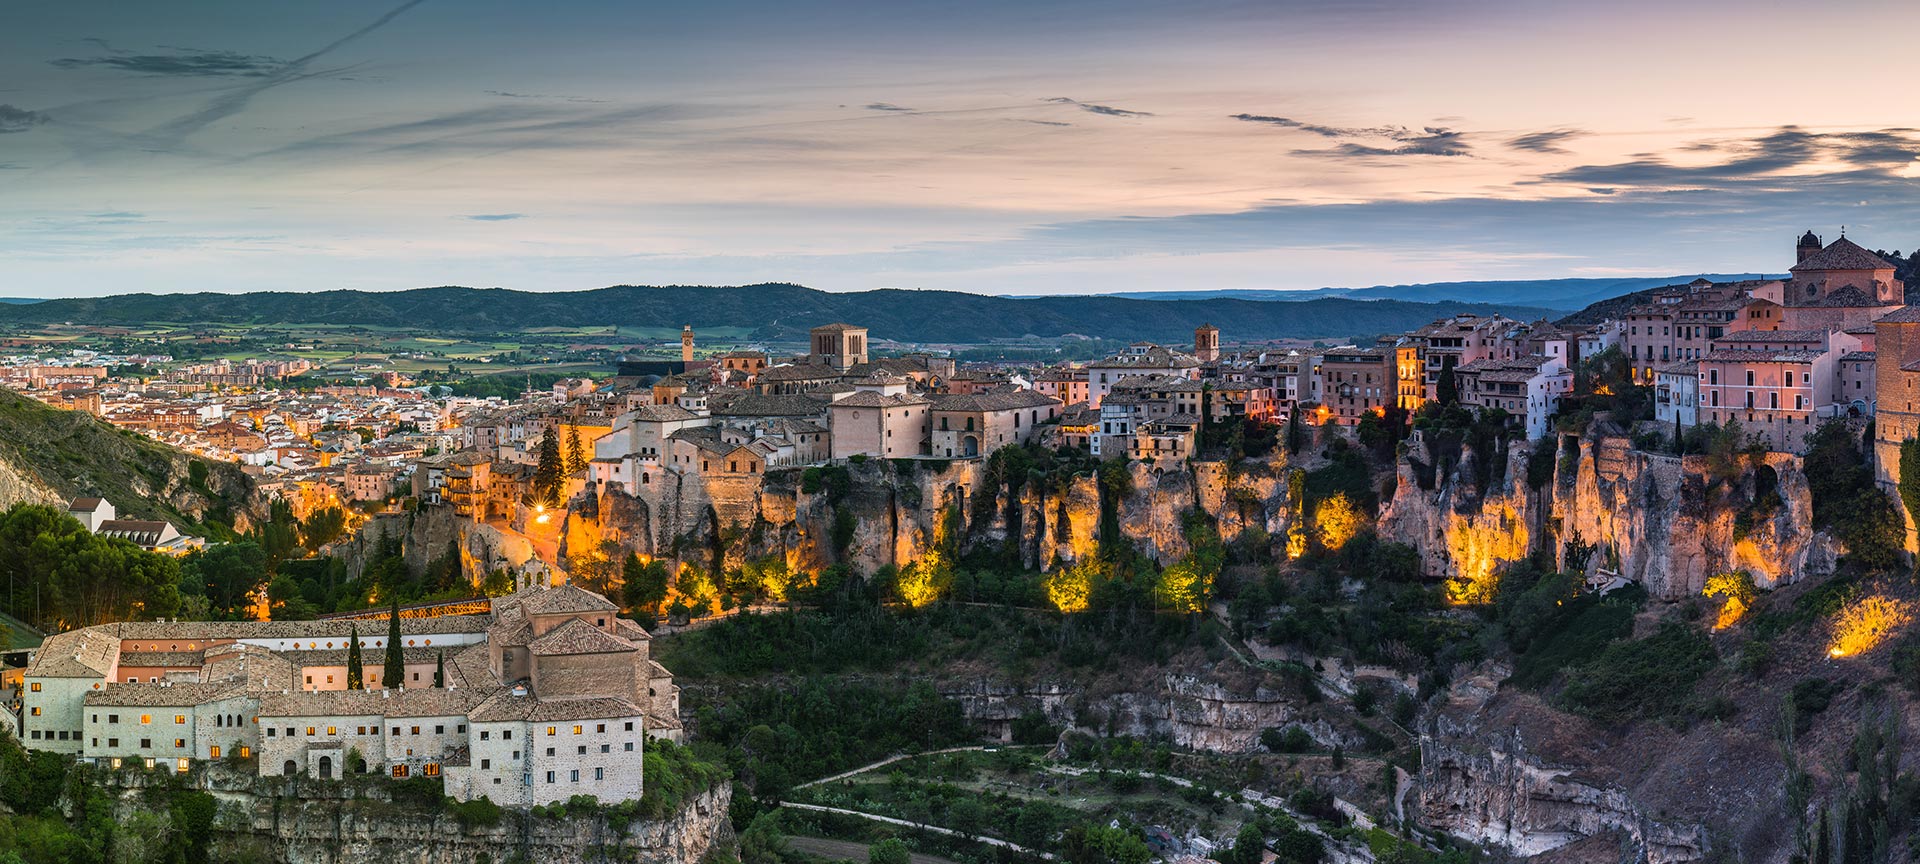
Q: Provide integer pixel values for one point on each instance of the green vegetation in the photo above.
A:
(1644, 677)
(1848, 503)
(59, 576)
(916, 316)
(78, 455)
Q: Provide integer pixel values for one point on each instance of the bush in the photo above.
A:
(1630, 680)
(1293, 740)
(480, 811)
(892, 850)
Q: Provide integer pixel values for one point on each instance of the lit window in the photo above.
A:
(35, 687)
(245, 751)
(399, 771)
(431, 769)
(146, 719)
(179, 719)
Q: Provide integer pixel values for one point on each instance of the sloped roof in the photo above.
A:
(1842, 254)
(994, 401)
(871, 399)
(835, 327)
(579, 637)
(563, 599)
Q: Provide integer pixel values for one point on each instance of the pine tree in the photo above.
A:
(394, 674)
(354, 670)
(1679, 435)
(550, 473)
(1447, 391)
(440, 671)
(576, 458)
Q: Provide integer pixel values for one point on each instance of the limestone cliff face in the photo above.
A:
(1222, 709)
(1661, 520)
(17, 487)
(328, 824)
(900, 510)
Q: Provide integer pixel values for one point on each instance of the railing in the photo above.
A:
(441, 609)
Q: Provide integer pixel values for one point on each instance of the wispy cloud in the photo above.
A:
(886, 106)
(1092, 108)
(172, 133)
(14, 119)
(512, 95)
(1788, 156)
(1545, 142)
(182, 62)
(1386, 140)
(494, 217)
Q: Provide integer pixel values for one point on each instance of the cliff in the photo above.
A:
(1663, 521)
(902, 509)
(316, 822)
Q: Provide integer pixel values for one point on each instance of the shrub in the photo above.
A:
(480, 811)
(1633, 679)
(1293, 740)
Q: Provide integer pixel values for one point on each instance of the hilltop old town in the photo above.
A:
(537, 695)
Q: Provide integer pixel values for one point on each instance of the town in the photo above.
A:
(1776, 358)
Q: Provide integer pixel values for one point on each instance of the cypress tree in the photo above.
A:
(550, 473)
(576, 458)
(440, 670)
(1447, 390)
(354, 670)
(394, 674)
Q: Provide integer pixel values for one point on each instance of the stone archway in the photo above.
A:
(326, 767)
(969, 446)
(291, 768)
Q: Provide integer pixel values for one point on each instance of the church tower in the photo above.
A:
(686, 343)
(1206, 343)
(1808, 246)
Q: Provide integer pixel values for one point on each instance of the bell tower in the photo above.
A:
(686, 343)
(1206, 343)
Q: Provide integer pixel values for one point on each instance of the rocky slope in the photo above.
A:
(310, 822)
(49, 456)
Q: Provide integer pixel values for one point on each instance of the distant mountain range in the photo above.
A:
(776, 311)
(1561, 294)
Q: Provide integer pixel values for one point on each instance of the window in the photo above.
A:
(599, 773)
(506, 735)
(396, 730)
(36, 710)
(599, 727)
(573, 776)
(309, 731)
(606, 748)
(113, 742)
(269, 731)
(146, 719)
(581, 750)
(629, 726)
(550, 731)
(431, 769)
(549, 751)
(35, 687)
(399, 771)
(179, 719)
(576, 729)
(179, 743)
(113, 718)
(146, 743)
(413, 730)
(484, 735)
(439, 730)
(629, 746)
(486, 763)
(245, 751)
(549, 776)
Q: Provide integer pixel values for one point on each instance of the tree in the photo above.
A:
(1247, 845)
(440, 671)
(643, 583)
(892, 850)
(229, 574)
(1447, 391)
(394, 673)
(550, 473)
(355, 672)
(576, 457)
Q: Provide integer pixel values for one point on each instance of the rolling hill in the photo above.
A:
(771, 311)
(1564, 294)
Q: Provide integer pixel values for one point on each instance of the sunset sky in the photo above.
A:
(996, 147)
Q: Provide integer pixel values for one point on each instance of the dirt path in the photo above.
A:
(990, 841)
(836, 850)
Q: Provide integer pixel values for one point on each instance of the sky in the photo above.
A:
(994, 146)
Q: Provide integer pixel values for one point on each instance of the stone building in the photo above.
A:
(547, 696)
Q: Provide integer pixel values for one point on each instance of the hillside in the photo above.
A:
(1564, 294)
(49, 455)
(772, 311)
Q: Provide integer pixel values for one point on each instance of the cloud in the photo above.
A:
(1787, 157)
(494, 217)
(885, 106)
(1545, 142)
(1394, 140)
(170, 134)
(183, 62)
(512, 95)
(1040, 122)
(1108, 110)
(14, 119)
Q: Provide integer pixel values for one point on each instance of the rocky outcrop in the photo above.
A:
(901, 509)
(1663, 521)
(1484, 776)
(340, 823)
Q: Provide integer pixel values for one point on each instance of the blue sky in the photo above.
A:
(997, 147)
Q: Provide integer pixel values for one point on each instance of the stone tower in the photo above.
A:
(686, 343)
(840, 346)
(1809, 245)
(1206, 343)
